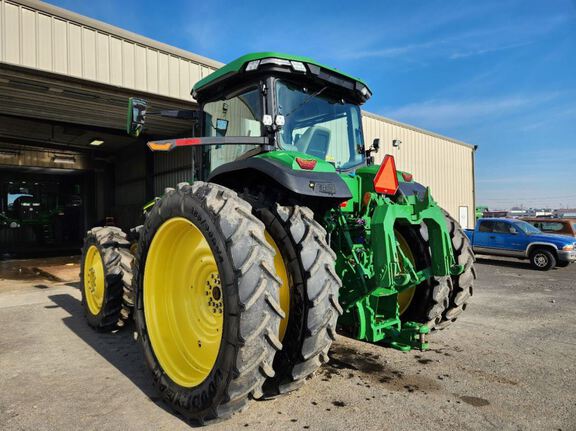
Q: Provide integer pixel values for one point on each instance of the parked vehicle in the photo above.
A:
(517, 238)
(560, 226)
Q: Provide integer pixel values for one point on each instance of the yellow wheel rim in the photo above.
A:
(183, 302)
(281, 271)
(94, 281)
(405, 297)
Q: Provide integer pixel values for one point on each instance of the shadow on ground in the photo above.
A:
(119, 348)
(520, 264)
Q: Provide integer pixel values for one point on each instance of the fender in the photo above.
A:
(546, 244)
(409, 189)
(307, 183)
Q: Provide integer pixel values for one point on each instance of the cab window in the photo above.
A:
(486, 226)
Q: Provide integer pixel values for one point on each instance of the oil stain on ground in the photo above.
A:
(475, 401)
(348, 363)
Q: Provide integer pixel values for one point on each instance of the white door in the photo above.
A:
(463, 217)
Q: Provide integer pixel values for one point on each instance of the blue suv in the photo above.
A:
(516, 238)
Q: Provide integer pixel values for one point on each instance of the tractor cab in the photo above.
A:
(272, 102)
(294, 102)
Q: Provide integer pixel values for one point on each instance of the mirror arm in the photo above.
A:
(181, 114)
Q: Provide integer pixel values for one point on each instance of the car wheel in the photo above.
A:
(542, 260)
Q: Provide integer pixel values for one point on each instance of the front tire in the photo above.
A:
(542, 259)
(207, 310)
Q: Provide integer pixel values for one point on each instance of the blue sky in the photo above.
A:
(498, 74)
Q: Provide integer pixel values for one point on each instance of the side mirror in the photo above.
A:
(136, 116)
(376, 145)
(513, 231)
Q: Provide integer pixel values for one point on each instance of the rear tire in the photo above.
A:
(431, 297)
(542, 259)
(314, 287)
(105, 307)
(249, 310)
(463, 284)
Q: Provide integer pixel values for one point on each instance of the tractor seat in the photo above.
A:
(315, 141)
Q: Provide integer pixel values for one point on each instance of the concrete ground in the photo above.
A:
(507, 364)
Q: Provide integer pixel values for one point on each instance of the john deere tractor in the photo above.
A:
(287, 231)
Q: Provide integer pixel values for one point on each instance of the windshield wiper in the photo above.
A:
(310, 97)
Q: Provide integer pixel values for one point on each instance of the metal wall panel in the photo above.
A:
(443, 164)
(69, 44)
(171, 168)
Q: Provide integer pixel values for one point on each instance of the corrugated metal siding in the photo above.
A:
(37, 40)
(440, 163)
(171, 168)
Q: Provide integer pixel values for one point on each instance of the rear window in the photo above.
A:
(552, 226)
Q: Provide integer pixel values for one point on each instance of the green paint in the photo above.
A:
(373, 268)
(238, 64)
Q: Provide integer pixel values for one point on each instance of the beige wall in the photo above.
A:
(43, 37)
(443, 164)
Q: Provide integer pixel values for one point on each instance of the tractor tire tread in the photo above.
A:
(462, 286)
(114, 250)
(257, 288)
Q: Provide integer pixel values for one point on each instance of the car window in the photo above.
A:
(527, 228)
(574, 226)
(552, 226)
(502, 227)
(486, 226)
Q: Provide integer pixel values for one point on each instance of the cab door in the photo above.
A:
(508, 239)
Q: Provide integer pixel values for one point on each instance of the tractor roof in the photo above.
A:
(292, 63)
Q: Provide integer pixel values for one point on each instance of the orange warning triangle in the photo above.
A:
(386, 180)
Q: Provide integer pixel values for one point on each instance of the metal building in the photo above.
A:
(65, 160)
(444, 164)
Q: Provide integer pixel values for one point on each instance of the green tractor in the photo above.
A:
(287, 231)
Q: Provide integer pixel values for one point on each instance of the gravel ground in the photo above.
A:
(507, 364)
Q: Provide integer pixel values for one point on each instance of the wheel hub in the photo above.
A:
(94, 280)
(214, 293)
(183, 302)
(541, 260)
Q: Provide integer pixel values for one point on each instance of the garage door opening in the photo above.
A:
(42, 213)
